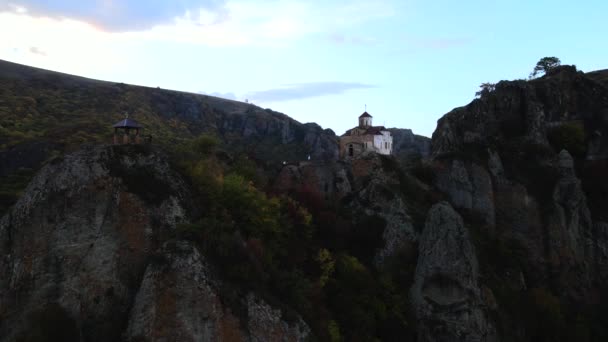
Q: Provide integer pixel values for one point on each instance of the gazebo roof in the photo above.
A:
(127, 123)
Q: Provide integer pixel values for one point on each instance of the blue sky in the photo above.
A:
(410, 62)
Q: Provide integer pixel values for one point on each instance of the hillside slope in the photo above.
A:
(39, 105)
(45, 113)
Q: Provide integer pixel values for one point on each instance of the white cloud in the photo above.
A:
(111, 15)
(228, 95)
(242, 23)
(37, 51)
(76, 43)
(211, 22)
(306, 90)
(57, 44)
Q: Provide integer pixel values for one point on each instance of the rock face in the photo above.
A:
(371, 191)
(446, 293)
(408, 146)
(537, 214)
(179, 299)
(80, 236)
(81, 247)
(376, 194)
(600, 76)
(570, 229)
(329, 179)
(527, 109)
(271, 136)
(469, 187)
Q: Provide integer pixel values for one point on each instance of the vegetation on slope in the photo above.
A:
(299, 252)
(44, 114)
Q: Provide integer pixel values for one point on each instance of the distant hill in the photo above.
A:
(66, 111)
(45, 113)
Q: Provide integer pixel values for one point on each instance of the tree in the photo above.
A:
(486, 88)
(545, 65)
(205, 144)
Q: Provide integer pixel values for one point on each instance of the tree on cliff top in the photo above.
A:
(485, 88)
(544, 65)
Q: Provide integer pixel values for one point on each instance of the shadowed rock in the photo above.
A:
(446, 295)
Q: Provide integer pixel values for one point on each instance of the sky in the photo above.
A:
(407, 61)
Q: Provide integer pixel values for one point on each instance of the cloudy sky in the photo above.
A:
(409, 61)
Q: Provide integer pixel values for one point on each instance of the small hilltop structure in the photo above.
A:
(125, 128)
(365, 138)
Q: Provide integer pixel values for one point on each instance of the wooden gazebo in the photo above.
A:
(127, 125)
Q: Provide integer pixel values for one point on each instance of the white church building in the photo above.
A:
(366, 137)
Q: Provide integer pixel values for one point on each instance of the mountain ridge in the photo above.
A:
(46, 113)
(500, 235)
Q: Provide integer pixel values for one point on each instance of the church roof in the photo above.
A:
(372, 130)
(365, 115)
(127, 123)
(375, 130)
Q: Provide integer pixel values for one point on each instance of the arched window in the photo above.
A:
(350, 150)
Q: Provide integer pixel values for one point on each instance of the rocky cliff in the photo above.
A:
(89, 254)
(519, 252)
(366, 188)
(408, 147)
(447, 294)
(501, 234)
(520, 164)
(530, 110)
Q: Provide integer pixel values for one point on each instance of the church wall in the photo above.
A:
(383, 143)
(358, 142)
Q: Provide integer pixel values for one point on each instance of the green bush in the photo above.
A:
(333, 330)
(570, 137)
(205, 144)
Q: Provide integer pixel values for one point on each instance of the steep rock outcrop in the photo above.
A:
(570, 230)
(600, 252)
(496, 155)
(80, 255)
(408, 146)
(369, 189)
(446, 294)
(81, 234)
(376, 193)
(527, 109)
(600, 76)
(269, 135)
(179, 299)
(503, 152)
(468, 186)
(327, 178)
